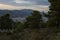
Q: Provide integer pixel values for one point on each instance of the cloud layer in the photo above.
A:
(24, 4)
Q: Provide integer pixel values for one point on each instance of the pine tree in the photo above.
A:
(54, 13)
(6, 22)
(34, 20)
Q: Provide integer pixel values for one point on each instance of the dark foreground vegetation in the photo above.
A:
(34, 28)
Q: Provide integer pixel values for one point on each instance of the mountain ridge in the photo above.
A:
(16, 13)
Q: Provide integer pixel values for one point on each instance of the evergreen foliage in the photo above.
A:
(6, 22)
(34, 20)
(54, 14)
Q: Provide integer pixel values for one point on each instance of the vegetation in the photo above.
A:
(6, 22)
(34, 20)
(54, 15)
(34, 28)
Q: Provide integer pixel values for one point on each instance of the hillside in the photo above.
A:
(16, 13)
(19, 15)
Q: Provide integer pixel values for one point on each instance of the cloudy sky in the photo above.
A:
(41, 5)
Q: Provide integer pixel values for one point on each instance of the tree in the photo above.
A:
(34, 20)
(19, 26)
(6, 22)
(54, 15)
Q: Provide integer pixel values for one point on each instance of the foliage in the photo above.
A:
(19, 26)
(34, 21)
(54, 13)
(6, 22)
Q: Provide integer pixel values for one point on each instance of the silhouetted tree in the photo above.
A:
(6, 22)
(54, 13)
(34, 20)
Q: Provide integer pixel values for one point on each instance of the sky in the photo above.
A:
(41, 5)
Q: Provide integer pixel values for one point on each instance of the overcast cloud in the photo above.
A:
(28, 3)
(25, 2)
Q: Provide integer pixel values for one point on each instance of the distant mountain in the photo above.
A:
(19, 15)
(16, 13)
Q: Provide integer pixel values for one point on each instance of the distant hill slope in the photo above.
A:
(19, 15)
(16, 13)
